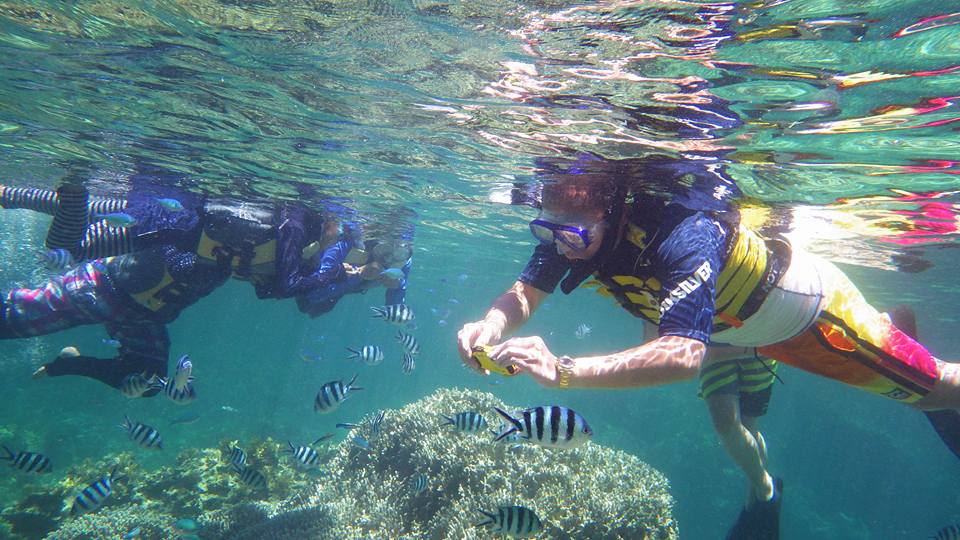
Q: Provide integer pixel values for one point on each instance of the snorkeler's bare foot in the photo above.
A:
(40, 373)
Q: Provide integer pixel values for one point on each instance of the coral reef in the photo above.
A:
(200, 485)
(590, 492)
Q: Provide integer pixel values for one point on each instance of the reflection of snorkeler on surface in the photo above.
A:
(172, 257)
(703, 279)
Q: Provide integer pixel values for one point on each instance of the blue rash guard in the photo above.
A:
(662, 267)
(331, 282)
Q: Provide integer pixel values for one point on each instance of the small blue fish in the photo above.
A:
(310, 357)
(186, 525)
(361, 443)
(347, 425)
(186, 418)
(395, 274)
(112, 343)
(171, 204)
(118, 219)
(454, 301)
(133, 534)
(57, 259)
(462, 277)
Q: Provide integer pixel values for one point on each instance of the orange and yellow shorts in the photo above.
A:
(850, 341)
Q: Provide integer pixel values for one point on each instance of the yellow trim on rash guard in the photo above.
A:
(743, 271)
(264, 253)
(148, 298)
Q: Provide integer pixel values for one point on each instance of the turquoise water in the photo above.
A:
(415, 112)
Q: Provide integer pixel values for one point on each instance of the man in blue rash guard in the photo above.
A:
(704, 279)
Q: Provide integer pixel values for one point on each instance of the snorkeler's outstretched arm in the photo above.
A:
(508, 313)
(664, 360)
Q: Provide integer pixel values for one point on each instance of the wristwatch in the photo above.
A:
(564, 370)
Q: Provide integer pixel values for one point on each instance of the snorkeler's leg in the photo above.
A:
(752, 423)
(69, 220)
(101, 241)
(40, 200)
(144, 346)
(740, 443)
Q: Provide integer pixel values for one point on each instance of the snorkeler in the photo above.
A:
(703, 279)
(167, 254)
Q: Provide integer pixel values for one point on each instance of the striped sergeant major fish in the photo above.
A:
(180, 397)
(550, 426)
(332, 394)
(28, 462)
(251, 477)
(182, 376)
(418, 484)
(359, 442)
(369, 354)
(950, 532)
(93, 496)
(56, 259)
(408, 364)
(305, 456)
(142, 434)
(468, 422)
(514, 521)
(408, 342)
(137, 384)
(237, 457)
(393, 313)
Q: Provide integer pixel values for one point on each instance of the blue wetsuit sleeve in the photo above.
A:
(690, 259)
(545, 268)
(330, 269)
(398, 294)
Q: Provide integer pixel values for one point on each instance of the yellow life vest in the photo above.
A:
(740, 285)
(246, 259)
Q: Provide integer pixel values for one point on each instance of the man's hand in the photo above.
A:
(529, 354)
(476, 334)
